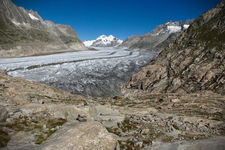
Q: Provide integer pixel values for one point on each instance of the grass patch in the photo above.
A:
(189, 137)
(41, 124)
(126, 125)
(167, 139)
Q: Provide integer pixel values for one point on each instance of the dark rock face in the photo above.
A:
(155, 39)
(194, 62)
(24, 32)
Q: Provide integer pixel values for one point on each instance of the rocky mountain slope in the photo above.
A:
(194, 62)
(24, 32)
(155, 40)
(104, 41)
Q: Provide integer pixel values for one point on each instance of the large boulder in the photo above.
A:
(79, 136)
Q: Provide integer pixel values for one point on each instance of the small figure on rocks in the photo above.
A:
(81, 118)
(160, 100)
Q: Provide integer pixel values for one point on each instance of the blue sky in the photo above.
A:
(121, 18)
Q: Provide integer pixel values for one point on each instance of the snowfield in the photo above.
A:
(173, 29)
(33, 17)
(90, 73)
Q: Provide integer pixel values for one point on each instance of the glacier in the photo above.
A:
(97, 73)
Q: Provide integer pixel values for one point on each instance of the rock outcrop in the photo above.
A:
(24, 33)
(88, 135)
(158, 39)
(194, 62)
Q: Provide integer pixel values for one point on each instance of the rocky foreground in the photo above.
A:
(36, 116)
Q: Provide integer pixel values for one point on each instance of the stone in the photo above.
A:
(3, 114)
(175, 100)
(81, 118)
(145, 131)
(89, 135)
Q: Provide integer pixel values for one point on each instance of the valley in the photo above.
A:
(98, 73)
(160, 88)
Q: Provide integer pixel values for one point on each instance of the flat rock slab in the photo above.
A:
(79, 136)
(106, 115)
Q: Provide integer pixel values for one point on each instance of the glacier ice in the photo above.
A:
(90, 73)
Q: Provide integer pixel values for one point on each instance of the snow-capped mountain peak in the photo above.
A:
(103, 41)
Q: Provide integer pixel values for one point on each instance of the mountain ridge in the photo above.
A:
(154, 39)
(193, 62)
(24, 32)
